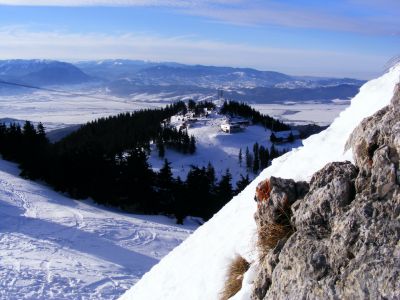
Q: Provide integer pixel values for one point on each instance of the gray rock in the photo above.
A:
(347, 227)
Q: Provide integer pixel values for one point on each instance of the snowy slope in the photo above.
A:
(53, 247)
(196, 269)
(219, 148)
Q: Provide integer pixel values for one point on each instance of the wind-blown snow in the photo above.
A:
(53, 247)
(196, 269)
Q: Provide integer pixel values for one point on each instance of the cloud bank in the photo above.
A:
(20, 42)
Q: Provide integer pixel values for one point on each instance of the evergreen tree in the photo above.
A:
(210, 174)
(256, 162)
(191, 105)
(139, 183)
(224, 190)
(249, 159)
(165, 183)
(273, 152)
(165, 177)
(240, 157)
(181, 204)
(160, 147)
(291, 137)
(192, 145)
(28, 130)
(198, 190)
(264, 157)
(273, 138)
(242, 183)
(41, 133)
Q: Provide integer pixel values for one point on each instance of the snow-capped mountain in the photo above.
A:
(197, 268)
(152, 73)
(124, 78)
(42, 72)
(138, 77)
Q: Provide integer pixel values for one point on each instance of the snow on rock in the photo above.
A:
(196, 269)
(53, 247)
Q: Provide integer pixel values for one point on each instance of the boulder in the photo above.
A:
(345, 243)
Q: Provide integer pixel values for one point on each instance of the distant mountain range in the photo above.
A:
(129, 77)
(42, 72)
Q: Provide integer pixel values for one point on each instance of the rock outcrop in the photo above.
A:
(344, 242)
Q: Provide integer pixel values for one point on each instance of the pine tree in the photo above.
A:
(240, 157)
(291, 137)
(273, 138)
(181, 203)
(256, 162)
(264, 157)
(160, 147)
(192, 144)
(249, 159)
(41, 133)
(273, 152)
(165, 178)
(211, 174)
(191, 105)
(224, 190)
(242, 183)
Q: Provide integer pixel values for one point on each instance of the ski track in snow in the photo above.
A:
(53, 247)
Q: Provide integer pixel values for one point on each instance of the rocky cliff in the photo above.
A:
(338, 237)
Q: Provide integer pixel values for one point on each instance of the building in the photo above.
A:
(231, 128)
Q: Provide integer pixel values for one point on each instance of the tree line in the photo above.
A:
(244, 110)
(259, 158)
(107, 160)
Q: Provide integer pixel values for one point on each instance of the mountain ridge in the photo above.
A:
(196, 269)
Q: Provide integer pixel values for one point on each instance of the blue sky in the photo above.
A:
(353, 38)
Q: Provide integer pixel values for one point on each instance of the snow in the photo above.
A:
(53, 247)
(196, 269)
(304, 113)
(57, 110)
(80, 105)
(215, 146)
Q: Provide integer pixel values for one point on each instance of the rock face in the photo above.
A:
(345, 243)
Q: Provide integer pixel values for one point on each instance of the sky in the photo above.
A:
(340, 38)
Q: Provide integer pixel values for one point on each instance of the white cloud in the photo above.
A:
(170, 3)
(258, 12)
(19, 42)
(281, 14)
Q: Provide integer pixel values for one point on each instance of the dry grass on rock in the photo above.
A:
(234, 278)
(269, 235)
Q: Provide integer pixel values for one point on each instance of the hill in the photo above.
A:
(197, 268)
(54, 247)
(41, 73)
(126, 77)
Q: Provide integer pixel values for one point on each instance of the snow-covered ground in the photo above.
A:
(304, 113)
(53, 247)
(219, 148)
(58, 110)
(196, 269)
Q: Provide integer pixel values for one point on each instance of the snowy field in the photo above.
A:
(53, 247)
(58, 110)
(304, 113)
(196, 269)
